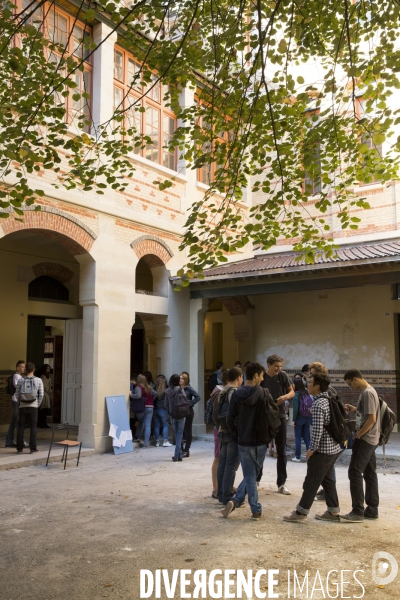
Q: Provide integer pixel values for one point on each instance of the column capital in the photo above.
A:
(102, 32)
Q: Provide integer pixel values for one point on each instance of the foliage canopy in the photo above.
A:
(287, 91)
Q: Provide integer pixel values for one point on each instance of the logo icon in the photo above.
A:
(384, 568)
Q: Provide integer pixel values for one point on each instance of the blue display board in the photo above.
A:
(120, 429)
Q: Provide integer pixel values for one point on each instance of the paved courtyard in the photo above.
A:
(85, 533)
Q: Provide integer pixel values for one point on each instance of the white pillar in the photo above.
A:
(107, 294)
(198, 309)
(103, 74)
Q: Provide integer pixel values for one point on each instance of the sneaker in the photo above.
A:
(271, 453)
(327, 516)
(177, 459)
(370, 513)
(12, 445)
(26, 445)
(351, 518)
(186, 454)
(157, 443)
(230, 507)
(295, 517)
(33, 450)
(320, 497)
(166, 444)
(294, 459)
(256, 516)
(283, 490)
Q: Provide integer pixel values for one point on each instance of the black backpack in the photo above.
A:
(339, 427)
(10, 389)
(388, 421)
(180, 405)
(269, 412)
(221, 410)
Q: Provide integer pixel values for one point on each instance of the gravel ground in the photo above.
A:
(85, 533)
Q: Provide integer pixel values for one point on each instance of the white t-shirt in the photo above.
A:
(16, 378)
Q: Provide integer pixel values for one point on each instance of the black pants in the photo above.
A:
(319, 472)
(42, 416)
(280, 447)
(363, 465)
(187, 432)
(24, 413)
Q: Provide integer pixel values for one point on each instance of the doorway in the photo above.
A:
(138, 347)
(45, 345)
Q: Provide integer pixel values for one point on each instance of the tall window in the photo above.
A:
(367, 139)
(206, 173)
(62, 28)
(312, 178)
(156, 121)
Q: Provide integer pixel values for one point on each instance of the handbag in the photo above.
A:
(138, 405)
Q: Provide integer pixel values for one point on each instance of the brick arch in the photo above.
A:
(55, 270)
(63, 228)
(152, 249)
(236, 305)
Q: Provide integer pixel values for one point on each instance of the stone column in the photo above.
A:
(103, 74)
(198, 309)
(107, 293)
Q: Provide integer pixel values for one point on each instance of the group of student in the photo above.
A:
(156, 404)
(30, 402)
(243, 431)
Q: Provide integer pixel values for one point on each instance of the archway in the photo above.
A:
(40, 300)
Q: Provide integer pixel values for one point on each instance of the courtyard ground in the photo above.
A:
(85, 533)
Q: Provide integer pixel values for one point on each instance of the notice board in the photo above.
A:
(120, 430)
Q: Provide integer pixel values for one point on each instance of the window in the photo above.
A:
(47, 288)
(63, 30)
(206, 173)
(367, 139)
(312, 178)
(157, 122)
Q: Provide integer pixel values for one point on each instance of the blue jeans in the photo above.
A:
(227, 466)
(144, 419)
(179, 426)
(13, 424)
(302, 430)
(160, 422)
(252, 460)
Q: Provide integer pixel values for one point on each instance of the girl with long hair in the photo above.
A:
(160, 413)
(193, 398)
(143, 390)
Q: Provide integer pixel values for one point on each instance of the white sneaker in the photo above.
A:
(166, 444)
(294, 459)
(157, 443)
(283, 490)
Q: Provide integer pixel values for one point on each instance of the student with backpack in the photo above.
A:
(302, 403)
(216, 378)
(254, 416)
(229, 452)
(29, 394)
(142, 404)
(278, 384)
(363, 459)
(321, 457)
(10, 390)
(178, 408)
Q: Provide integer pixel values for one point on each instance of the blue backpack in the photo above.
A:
(305, 404)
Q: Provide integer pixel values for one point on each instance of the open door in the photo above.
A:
(72, 384)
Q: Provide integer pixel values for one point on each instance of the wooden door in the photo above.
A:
(72, 380)
(35, 341)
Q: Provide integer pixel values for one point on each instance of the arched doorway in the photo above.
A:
(40, 301)
(138, 354)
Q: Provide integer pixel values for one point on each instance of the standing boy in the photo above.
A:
(280, 387)
(363, 459)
